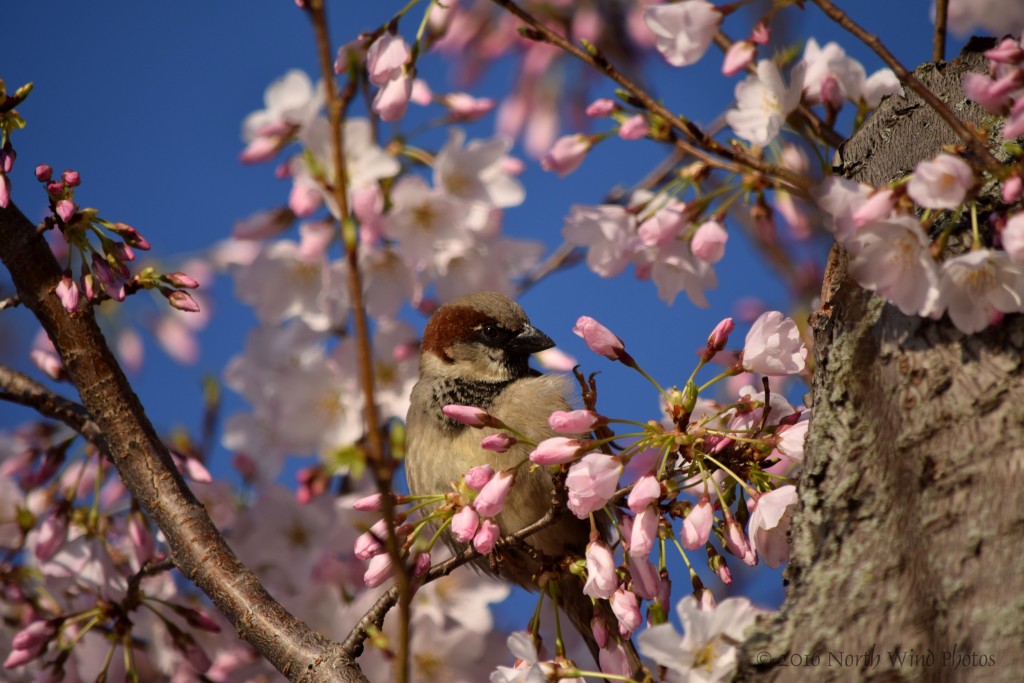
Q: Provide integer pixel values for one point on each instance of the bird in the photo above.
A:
(475, 351)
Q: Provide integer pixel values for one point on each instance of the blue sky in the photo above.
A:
(146, 101)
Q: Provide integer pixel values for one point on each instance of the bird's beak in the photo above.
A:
(531, 340)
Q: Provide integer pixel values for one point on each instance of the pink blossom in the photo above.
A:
(66, 210)
(646, 491)
(941, 183)
(626, 610)
(1014, 125)
(1013, 187)
(498, 443)
(697, 524)
(644, 532)
(486, 537)
(601, 578)
(892, 258)
(386, 58)
(182, 301)
(664, 225)
(992, 17)
(990, 93)
(465, 107)
(769, 523)
(877, 207)
(566, 155)
(53, 533)
(370, 543)
(421, 93)
(591, 482)
(67, 292)
(737, 544)
(602, 107)
(645, 576)
(773, 346)
(468, 415)
(763, 101)
(34, 636)
(634, 127)
(739, 55)
(1008, 51)
(557, 450)
(600, 630)
(761, 33)
(477, 477)
(1013, 237)
(142, 539)
(979, 285)
(5, 193)
(392, 99)
(379, 570)
(555, 360)
(370, 503)
(491, 498)
(71, 178)
(709, 242)
(599, 338)
(464, 524)
(573, 421)
(684, 29)
(608, 232)
(44, 172)
(792, 437)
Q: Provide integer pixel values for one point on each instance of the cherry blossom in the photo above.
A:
(474, 171)
(769, 522)
(995, 17)
(676, 269)
(1013, 237)
(978, 285)
(709, 242)
(697, 525)
(763, 101)
(684, 29)
(773, 346)
(599, 338)
(601, 578)
(892, 258)
(291, 104)
(591, 482)
(566, 155)
(941, 183)
(707, 651)
(607, 231)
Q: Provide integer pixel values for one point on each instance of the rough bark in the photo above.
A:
(906, 558)
(145, 467)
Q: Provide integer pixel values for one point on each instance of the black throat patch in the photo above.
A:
(464, 393)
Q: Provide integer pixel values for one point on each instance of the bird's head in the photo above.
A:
(480, 337)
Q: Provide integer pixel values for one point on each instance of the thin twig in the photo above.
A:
(976, 144)
(23, 390)
(939, 40)
(703, 147)
(380, 465)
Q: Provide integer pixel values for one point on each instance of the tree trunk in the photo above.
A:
(908, 547)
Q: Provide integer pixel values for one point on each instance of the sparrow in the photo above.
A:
(475, 352)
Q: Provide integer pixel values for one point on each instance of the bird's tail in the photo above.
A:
(581, 610)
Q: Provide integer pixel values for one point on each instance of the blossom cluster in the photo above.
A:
(707, 471)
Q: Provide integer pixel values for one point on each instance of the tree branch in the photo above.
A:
(146, 469)
(939, 40)
(23, 390)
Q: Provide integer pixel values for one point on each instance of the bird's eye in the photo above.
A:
(490, 332)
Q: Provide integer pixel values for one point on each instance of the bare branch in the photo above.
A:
(23, 390)
(939, 40)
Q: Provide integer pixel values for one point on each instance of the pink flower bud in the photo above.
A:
(498, 443)
(566, 155)
(601, 577)
(739, 55)
(5, 197)
(370, 544)
(646, 579)
(492, 496)
(66, 210)
(370, 503)
(708, 242)
(634, 128)
(34, 636)
(142, 539)
(626, 610)
(44, 173)
(7, 157)
(386, 58)
(466, 107)
(878, 206)
(724, 575)
(67, 292)
(573, 422)
(486, 537)
(379, 570)
(470, 416)
(393, 98)
(645, 532)
(421, 565)
(54, 188)
(591, 482)
(646, 491)
(478, 477)
(121, 251)
(760, 34)
(200, 619)
(599, 338)
(464, 524)
(131, 236)
(718, 338)
(600, 631)
(1012, 188)
(18, 657)
(71, 178)
(182, 301)
(697, 525)
(180, 280)
(557, 450)
(737, 543)
(601, 108)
